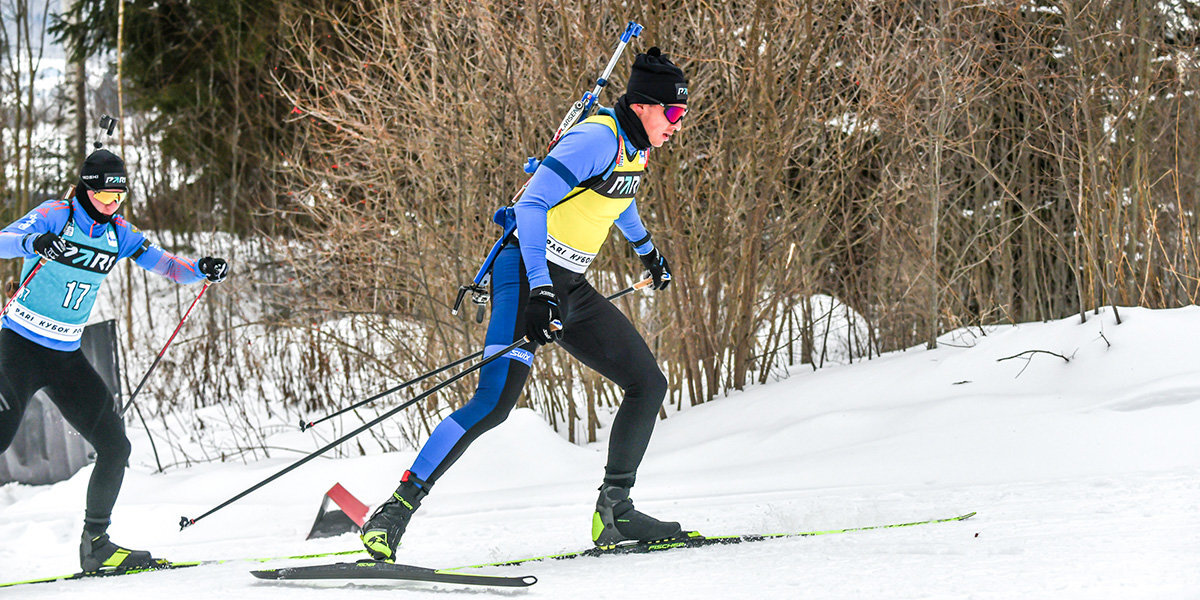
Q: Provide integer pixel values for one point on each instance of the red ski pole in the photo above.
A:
(158, 358)
(36, 268)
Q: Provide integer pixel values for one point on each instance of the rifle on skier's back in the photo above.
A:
(504, 217)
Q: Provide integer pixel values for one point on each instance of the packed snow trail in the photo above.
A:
(1085, 475)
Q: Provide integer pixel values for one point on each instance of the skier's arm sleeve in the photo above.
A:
(13, 244)
(16, 240)
(631, 225)
(585, 151)
(175, 268)
(156, 260)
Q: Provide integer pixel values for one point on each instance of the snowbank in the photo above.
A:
(1084, 469)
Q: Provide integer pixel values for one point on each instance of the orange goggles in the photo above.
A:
(108, 197)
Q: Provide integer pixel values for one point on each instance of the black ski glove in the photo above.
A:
(540, 312)
(658, 268)
(49, 246)
(215, 269)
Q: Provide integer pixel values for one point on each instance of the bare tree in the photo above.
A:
(853, 178)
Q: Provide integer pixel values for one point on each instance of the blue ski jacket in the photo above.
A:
(586, 150)
(96, 248)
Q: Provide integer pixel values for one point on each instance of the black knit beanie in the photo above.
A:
(656, 78)
(103, 170)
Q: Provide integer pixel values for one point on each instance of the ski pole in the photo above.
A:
(304, 425)
(20, 289)
(186, 522)
(158, 358)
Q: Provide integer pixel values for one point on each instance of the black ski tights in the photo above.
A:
(595, 332)
(84, 401)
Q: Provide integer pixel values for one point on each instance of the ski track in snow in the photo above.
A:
(1085, 476)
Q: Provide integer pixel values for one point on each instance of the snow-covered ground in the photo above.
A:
(1085, 475)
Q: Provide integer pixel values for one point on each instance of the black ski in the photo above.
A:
(374, 569)
(695, 540)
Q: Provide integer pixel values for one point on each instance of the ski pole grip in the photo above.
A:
(643, 284)
(555, 325)
(462, 292)
(632, 30)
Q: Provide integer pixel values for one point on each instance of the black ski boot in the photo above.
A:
(382, 532)
(97, 552)
(615, 520)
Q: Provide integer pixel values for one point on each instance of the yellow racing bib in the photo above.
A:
(578, 226)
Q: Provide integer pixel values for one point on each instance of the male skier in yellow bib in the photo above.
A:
(585, 185)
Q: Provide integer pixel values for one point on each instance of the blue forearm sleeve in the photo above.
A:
(12, 245)
(153, 258)
(631, 226)
(175, 268)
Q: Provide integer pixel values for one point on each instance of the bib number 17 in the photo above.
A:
(83, 288)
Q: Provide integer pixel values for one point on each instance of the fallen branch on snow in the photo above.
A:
(1065, 359)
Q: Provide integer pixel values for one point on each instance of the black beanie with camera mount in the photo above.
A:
(101, 170)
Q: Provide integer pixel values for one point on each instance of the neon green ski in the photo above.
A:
(165, 565)
(692, 539)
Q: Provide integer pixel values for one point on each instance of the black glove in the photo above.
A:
(215, 269)
(540, 311)
(658, 268)
(49, 246)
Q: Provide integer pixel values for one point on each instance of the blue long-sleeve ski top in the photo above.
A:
(586, 150)
(16, 241)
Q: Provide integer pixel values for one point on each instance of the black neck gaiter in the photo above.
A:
(88, 207)
(631, 124)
